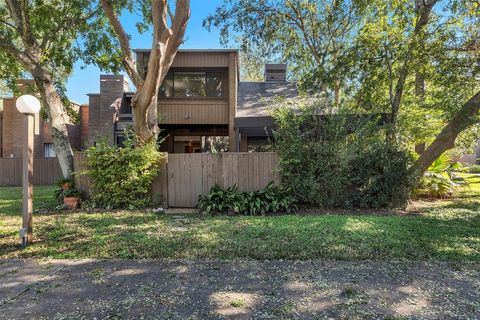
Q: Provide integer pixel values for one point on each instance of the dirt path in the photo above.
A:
(158, 289)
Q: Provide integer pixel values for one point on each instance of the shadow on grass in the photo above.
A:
(144, 235)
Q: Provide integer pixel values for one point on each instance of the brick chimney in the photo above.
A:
(103, 108)
(275, 72)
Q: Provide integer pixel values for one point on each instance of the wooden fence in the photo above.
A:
(186, 176)
(45, 171)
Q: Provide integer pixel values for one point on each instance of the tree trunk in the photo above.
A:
(146, 124)
(56, 115)
(166, 40)
(468, 115)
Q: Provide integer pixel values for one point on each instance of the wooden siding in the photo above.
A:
(82, 181)
(201, 59)
(197, 112)
(45, 171)
(186, 176)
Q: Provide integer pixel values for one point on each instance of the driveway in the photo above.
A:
(159, 289)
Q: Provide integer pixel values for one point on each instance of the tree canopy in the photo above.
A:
(416, 60)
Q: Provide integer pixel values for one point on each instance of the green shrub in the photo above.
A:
(270, 199)
(339, 160)
(378, 177)
(122, 176)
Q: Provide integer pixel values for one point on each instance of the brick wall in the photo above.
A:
(84, 117)
(103, 108)
(232, 101)
(12, 132)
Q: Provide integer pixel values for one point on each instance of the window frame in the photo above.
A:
(50, 148)
(224, 86)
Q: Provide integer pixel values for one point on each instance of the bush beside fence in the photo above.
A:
(187, 176)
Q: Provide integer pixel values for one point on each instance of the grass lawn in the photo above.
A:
(440, 230)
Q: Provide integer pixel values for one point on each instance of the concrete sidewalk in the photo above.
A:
(159, 289)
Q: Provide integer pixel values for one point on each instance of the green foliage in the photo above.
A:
(122, 176)
(73, 193)
(439, 181)
(270, 199)
(339, 160)
(59, 192)
(70, 181)
(354, 51)
(474, 168)
(378, 176)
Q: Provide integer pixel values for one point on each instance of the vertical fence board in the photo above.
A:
(185, 176)
(45, 171)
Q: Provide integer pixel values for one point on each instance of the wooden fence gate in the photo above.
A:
(194, 174)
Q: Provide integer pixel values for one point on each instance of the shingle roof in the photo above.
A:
(251, 95)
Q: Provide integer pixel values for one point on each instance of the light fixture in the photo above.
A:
(28, 105)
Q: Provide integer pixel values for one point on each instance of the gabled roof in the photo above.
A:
(251, 95)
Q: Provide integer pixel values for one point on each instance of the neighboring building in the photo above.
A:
(11, 133)
(201, 98)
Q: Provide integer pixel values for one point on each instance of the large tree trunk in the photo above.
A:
(467, 116)
(166, 40)
(56, 115)
(30, 55)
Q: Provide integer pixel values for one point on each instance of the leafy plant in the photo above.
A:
(440, 181)
(474, 168)
(66, 181)
(339, 160)
(122, 176)
(270, 199)
(73, 193)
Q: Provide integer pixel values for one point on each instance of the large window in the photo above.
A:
(192, 85)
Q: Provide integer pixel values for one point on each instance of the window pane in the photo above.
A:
(214, 84)
(166, 89)
(49, 150)
(189, 84)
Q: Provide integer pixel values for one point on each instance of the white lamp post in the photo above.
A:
(28, 105)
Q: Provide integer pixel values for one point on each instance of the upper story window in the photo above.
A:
(192, 85)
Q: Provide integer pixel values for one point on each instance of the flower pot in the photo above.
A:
(71, 202)
(67, 186)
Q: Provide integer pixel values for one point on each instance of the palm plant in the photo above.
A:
(440, 181)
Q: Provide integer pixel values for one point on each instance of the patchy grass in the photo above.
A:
(11, 199)
(440, 230)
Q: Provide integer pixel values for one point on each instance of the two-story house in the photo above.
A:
(201, 98)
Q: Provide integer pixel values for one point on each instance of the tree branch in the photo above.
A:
(128, 60)
(467, 116)
(19, 11)
(21, 56)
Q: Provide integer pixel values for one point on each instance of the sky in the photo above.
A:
(86, 79)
